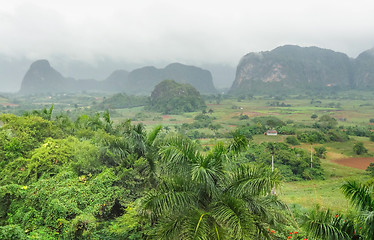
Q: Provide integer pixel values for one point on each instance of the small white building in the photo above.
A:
(271, 133)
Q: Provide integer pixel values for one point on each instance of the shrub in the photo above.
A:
(292, 140)
(370, 169)
(372, 137)
(12, 232)
(243, 117)
(312, 137)
(337, 136)
(320, 152)
(359, 148)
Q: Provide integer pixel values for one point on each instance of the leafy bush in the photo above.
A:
(359, 148)
(312, 137)
(337, 136)
(292, 140)
(358, 131)
(372, 137)
(12, 232)
(286, 130)
(326, 122)
(370, 169)
(320, 152)
(269, 121)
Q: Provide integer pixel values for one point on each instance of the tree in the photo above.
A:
(320, 152)
(326, 122)
(197, 199)
(359, 148)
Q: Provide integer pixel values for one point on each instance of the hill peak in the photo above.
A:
(40, 64)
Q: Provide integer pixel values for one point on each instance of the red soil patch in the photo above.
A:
(232, 125)
(166, 116)
(360, 163)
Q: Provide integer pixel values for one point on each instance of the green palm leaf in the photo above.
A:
(359, 194)
(170, 196)
(231, 213)
(323, 224)
(252, 180)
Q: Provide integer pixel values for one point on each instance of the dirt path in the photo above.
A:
(360, 162)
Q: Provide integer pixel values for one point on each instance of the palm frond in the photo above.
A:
(252, 180)
(179, 150)
(323, 224)
(238, 143)
(359, 195)
(170, 196)
(153, 134)
(366, 219)
(208, 172)
(219, 151)
(231, 213)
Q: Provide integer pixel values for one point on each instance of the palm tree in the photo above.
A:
(197, 198)
(326, 225)
(361, 196)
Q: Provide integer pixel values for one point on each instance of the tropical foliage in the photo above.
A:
(90, 177)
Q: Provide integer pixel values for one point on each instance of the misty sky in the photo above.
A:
(192, 31)
(169, 30)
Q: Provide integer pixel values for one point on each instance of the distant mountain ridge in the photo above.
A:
(43, 78)
(143, 80)
(292, 68)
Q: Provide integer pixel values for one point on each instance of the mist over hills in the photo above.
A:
(285, 69)
(43, 78)
(13, 69)
(292, 68)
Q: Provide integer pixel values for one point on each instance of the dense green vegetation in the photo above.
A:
(70, 172)
(170, 97)
(80, 180)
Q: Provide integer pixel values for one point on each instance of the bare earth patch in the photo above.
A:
(360, 163)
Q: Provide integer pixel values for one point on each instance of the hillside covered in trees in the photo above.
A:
(172, 97)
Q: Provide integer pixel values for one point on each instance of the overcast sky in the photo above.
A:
(189, 31)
